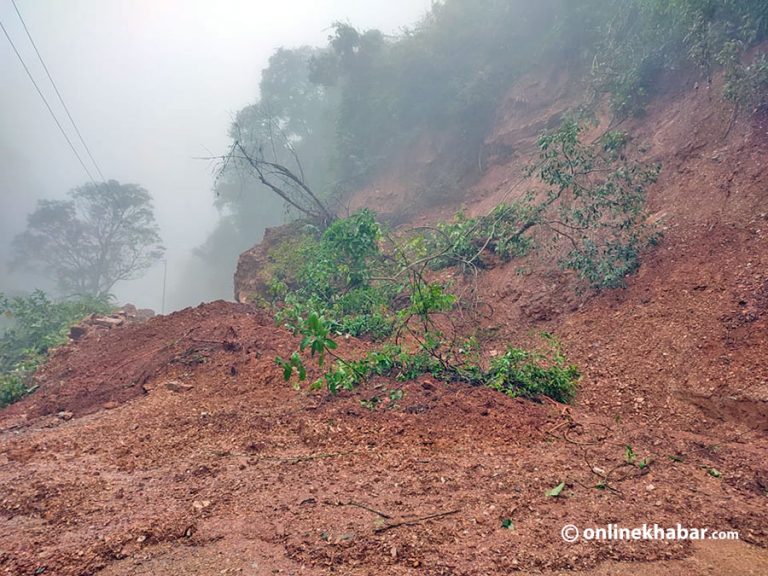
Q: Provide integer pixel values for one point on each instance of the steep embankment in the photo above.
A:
(187, 453)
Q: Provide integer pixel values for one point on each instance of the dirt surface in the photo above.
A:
(237, 471)
(175, 447)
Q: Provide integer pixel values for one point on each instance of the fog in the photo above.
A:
(152, 85)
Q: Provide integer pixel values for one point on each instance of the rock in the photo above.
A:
(76, 332)
(144, 314)
(201, 504)
(107, 321)
(65, 415)
(177, 386)
(129, 310)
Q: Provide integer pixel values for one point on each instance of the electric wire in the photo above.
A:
(47, 105)
(56, 89)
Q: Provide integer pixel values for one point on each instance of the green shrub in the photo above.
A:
(37, 324)
(747, 84)
(12, 388)
(465, 241)
(525, 373)
(640, 40)
(347, 284)
(517, 372)
(595, 203)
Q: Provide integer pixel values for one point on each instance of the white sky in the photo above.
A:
(152, 84)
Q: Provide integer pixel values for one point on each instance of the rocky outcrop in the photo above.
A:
(256, 265)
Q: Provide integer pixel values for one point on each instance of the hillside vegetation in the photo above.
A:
(336, 116)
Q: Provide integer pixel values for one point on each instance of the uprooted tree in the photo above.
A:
(356, 278)
(282, 144)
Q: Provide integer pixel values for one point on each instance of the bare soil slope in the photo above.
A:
(186, 453)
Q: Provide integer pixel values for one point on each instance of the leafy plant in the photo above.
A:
(348, 285)
(556, 491)
(595, 203)
(464, 241)
(102, 234)
(37, 324)
(529, 373)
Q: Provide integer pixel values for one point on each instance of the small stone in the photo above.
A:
(201, 504)
(650, 487)
(64, 415)
(176, 386)
(107, 321)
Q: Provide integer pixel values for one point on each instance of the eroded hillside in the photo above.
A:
(175, 446)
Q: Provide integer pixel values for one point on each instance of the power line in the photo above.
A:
(40, 93)
(56, 89)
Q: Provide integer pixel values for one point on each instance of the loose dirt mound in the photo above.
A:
(236, 472)
(110, 367)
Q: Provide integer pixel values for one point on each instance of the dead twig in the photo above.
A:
(415, 520)
(361, 506)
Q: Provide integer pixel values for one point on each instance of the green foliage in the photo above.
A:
(595, 202)
(353, 243)
(427, 299)
(347, 285)
(446, 74)
(516, 373)
(348, 108)
(37, 324)
(332, 274)
(464, 241)
(531, 373)
(638, 41)
(556, 491)
(12, 388)
(746, 84)
(450, 71)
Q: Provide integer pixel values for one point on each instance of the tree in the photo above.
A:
(282, 144)
(102, 234)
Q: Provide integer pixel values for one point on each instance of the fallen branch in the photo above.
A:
(415, 520)
(362, 506)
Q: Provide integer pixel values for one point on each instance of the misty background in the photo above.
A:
(152, 86)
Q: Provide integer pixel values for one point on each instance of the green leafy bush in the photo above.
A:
(746, 84)
(637, 41)
(530, 373)
(37, 324)
(465, 241)
(595, 202)
(517, 372)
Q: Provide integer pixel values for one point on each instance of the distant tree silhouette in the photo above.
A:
(102, 234)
